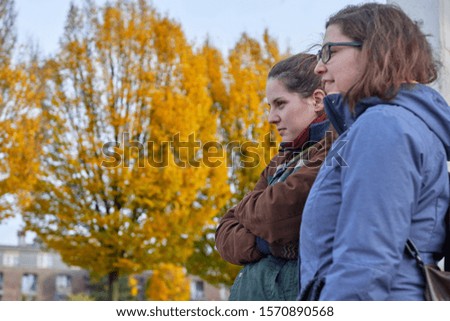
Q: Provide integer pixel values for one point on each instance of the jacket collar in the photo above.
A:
(339, 112)
(421, 100)
(314, 133)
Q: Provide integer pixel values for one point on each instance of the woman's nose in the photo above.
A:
(320, 68)
(273, 116)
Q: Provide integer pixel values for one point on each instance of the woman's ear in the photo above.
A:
(318, 96)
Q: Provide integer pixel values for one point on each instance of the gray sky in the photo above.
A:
(296, 24)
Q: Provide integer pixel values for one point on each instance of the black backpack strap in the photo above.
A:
(447, 241)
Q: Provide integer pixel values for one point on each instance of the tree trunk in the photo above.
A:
(113, 286)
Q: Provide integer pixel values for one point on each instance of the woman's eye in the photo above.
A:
(332, 51)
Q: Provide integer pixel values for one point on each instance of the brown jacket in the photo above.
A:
(271, 212)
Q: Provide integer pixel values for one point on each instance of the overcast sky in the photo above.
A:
(296, 24)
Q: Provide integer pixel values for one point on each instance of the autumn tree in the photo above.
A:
(125, 180)
(205, 260)
(20, 96)
(98, 290)
(168, 283)
(246, 120)
(237, 87)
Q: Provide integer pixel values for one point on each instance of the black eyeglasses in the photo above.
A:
(324, 53)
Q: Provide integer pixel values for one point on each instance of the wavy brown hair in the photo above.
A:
(297, 74)
(394, 48)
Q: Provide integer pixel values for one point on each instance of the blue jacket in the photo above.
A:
(384, 180)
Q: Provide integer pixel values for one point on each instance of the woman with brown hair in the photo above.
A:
(261, 231)
(391, 183)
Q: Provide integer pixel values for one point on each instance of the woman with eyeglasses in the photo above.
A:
(385, 180)
(261, 231)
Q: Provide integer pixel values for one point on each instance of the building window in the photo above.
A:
(29, 286)
(63, 286)
(44, 260)
(11, 259)
(197, 290)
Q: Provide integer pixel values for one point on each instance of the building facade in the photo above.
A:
(27, 272)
